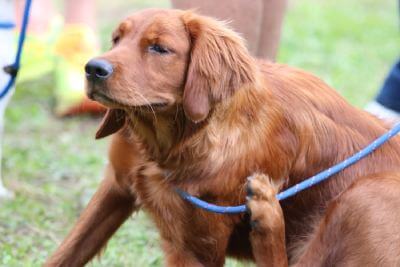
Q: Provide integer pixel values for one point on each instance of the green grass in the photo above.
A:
(54, 165)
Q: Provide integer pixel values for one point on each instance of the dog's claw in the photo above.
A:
(254, 224)
(249, 191)
(262, 205)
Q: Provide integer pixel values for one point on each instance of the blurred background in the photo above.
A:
(53, 164)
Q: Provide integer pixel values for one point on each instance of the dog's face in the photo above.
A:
(163, 58)
(148, 61)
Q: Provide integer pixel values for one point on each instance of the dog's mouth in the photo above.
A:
(151, 106)
(104, 99)
(112, 103)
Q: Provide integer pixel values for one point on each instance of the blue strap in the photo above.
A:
(15, 66)
(7, 25)
(320, 177)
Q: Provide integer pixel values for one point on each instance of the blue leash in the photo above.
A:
(13, 68)
(318, 178)
(7, 25)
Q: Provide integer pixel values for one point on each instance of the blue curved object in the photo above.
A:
(7, 25)
(318, 178)
(21, 41)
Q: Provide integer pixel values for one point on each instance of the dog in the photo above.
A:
(190, 109)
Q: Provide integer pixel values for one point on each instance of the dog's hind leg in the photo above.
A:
(360, 227)
(268, 228)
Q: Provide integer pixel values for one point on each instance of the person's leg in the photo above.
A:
(42, 12)
(81, 12)
(76, 45)
(259, 22)
(271, 28)
(387, 103)
(389, 95)
(243, 17)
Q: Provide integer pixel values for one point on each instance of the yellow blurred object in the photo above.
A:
(39, 47)
(75, 46)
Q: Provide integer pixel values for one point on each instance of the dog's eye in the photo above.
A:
(156, 48)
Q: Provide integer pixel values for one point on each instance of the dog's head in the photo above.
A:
(161, 59)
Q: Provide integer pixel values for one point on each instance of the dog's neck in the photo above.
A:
(232, 132)
(163, 134)
(155, 132)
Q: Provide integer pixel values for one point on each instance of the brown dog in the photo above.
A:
(192, 110)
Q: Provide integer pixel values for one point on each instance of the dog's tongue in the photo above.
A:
(113, 120)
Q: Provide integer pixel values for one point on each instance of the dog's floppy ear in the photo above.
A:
(113, 120)
(219, 65)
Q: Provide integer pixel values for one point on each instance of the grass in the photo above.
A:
(54, 165)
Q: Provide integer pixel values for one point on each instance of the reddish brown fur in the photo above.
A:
(225, 117)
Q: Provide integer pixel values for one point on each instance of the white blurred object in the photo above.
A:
(383, 112)
(7, 56)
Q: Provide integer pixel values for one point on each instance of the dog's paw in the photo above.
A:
(262, 204)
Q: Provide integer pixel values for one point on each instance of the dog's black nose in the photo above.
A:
(98, 70)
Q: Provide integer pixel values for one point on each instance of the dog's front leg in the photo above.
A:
(110, 206)
(268, 228)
